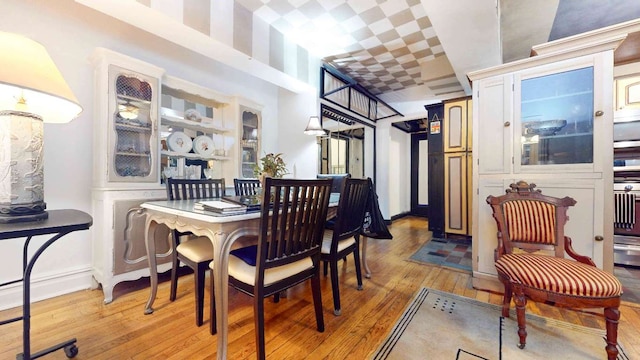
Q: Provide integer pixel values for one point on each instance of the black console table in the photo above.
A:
(59, 223)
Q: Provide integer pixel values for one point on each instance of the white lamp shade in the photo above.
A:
(27, 71)
(314, 127)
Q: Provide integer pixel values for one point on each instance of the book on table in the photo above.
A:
(220, 207)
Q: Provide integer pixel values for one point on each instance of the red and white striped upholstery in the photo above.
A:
(530, 221)
(558, 275)
(527, 222)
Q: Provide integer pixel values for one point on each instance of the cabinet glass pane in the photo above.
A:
(250, 129)
(557, 118)
(132, 127)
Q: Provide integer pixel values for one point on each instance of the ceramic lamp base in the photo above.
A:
(21, 167)
(9, 219)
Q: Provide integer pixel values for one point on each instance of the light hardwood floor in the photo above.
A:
(120, 330)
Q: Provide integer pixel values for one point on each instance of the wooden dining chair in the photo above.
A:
(245, 187)
(528, 223)
(196, 252)
(288, 250)
(337, 183)
(344, 238)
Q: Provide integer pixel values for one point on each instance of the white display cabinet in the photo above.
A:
(250, 131)
(127, 93)
(547, 120)
(149, 126)
(126, 167)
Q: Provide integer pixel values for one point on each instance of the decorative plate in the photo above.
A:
(203, 145)
(179, 142)
(193, 115)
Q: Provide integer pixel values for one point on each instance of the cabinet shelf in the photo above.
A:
(193, 156)
(556, 97)
(135, 154)
(133, 99)
(171, 118)
(136, 128)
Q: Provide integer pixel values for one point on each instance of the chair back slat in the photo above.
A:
(292, 221)
(244, 187)
(184, 189)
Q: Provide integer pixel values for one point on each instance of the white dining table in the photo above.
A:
(222, 230)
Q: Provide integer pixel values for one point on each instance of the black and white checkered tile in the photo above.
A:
(379, 43)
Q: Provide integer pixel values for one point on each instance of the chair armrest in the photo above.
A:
(580, 258)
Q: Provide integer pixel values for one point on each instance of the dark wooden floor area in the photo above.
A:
(120, 330)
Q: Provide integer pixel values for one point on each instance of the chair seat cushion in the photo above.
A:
(247, 254)
(197, 249)
(246, 273)
(342, 244)
(558, 275)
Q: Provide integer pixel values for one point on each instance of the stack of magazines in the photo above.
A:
(220, 207)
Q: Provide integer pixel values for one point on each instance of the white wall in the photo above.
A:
(70, 32)
(393, 180)
(300, 151)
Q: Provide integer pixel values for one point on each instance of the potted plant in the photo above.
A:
(270, 165)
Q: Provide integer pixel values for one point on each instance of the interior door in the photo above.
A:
(419, 174)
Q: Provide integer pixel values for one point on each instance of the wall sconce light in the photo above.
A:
(31, 90)
(314, 127)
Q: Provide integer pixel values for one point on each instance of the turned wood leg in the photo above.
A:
(506, 300)
(521, 303)
(612, 315)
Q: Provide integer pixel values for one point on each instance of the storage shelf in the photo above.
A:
(170, 117)
(193, 156)
(133, 99)
(556, 97)
(135, 154)
(127, 127)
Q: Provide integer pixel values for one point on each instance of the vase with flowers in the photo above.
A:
(270, 165)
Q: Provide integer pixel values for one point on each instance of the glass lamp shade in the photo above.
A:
(314, 127)
(32, 90)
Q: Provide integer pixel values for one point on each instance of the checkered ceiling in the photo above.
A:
(381, 44)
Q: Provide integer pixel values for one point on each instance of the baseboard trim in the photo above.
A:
(397, 216)
(47, 286)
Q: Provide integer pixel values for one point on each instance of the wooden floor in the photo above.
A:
(120, 330)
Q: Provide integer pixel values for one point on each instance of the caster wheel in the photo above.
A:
(71, 351)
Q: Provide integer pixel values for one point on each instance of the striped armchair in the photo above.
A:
(531, 263)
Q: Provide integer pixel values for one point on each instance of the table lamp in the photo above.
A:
(32, 90)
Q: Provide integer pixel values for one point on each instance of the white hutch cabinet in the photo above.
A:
(126, 167)
(547, 120)
(148, 126)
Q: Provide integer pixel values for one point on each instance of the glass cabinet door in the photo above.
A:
(133, 136)
(557, 118)
(249, 142)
